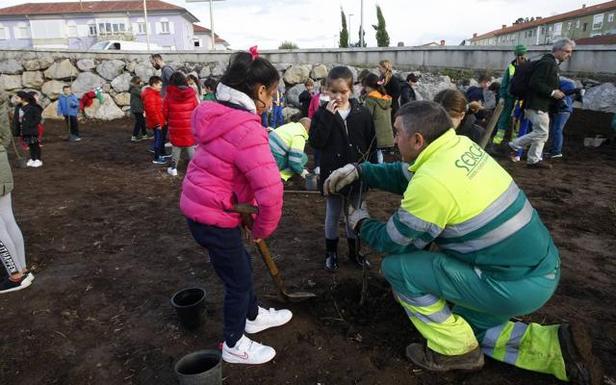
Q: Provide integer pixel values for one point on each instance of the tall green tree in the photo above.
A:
(382, 37)
(344, 33)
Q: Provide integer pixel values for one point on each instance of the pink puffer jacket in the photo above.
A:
(233, 164)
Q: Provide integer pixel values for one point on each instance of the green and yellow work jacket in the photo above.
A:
(287, 144)
(457, 196)
(506, 81)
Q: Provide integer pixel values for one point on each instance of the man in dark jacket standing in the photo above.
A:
(543, 91)
(165, 71)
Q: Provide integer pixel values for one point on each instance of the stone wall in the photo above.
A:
(48, 71)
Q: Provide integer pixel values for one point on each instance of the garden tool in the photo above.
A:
(246, 211)
(364, 266)
(21, 162)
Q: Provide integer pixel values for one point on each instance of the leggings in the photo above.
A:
(333, 209)
(35, 150)
(12, 251)
(176, 154)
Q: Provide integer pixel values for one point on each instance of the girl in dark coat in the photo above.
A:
(343, 131)
(26, 122)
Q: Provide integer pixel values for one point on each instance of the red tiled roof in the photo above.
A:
(86, 7)
(199, 29)
(604, 39)
(552, 19)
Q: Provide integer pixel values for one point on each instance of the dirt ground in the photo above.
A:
(108, 246)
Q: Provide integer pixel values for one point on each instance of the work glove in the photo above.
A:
(340, 178)
(304, 173)
(356, 215)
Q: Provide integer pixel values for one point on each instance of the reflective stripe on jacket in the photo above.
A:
(287, 143)
(464, 201)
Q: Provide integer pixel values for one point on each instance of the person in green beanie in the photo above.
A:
(504, 122)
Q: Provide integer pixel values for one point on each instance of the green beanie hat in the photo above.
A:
(520, 50)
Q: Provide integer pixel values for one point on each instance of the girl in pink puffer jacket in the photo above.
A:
(233, 164)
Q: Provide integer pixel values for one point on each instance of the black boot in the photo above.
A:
(354, 254)
(331, 254)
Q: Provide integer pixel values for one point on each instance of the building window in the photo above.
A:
(72, 30)
(3, 33)
(584, 26)
(92, 29)
(141, 28)
(164, 27)
(569, 25)
(610, 18)
(577, 24)
(197, 42)
(23, 31)
(597, 21)
(110, 28)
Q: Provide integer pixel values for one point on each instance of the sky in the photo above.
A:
(316, 23)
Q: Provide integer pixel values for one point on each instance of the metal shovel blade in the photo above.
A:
(277, 277)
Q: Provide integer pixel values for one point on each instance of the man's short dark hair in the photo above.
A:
(156, 56)
(65, 87)
(426, 118)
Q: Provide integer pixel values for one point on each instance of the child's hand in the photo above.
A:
(332, 106)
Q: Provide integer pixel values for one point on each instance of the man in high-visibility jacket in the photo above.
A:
(495, 258)
(504, 122)
(287, 143)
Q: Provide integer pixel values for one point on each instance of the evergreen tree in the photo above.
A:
(382, 37)
(344, 33)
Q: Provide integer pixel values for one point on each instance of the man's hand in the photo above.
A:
(340, 178)
(558, 94)
(356, 215)
(304, 173)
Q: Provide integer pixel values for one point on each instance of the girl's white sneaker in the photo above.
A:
(268, 319)
(247, 351)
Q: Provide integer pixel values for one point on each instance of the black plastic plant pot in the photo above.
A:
(189, 305)
(200, 368)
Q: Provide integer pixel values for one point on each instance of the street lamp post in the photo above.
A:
(361, 25)
(350, 35)
(213, 37)
(147, 30)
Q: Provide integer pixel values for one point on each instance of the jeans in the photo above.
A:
(557, 126)
(159, 142)
(139, 128)
(333, 209)
(537, 137)
(232, 264)
(72, 124)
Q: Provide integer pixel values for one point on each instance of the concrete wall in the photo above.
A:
(597, 60)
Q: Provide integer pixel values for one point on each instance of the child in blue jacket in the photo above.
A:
(68, 106)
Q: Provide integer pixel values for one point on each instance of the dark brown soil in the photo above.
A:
(108, 246)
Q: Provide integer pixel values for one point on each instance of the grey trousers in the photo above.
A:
(333, 210)
(12, 251)
(537, 137)
(176, 154)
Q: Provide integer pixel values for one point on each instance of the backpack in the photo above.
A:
(519, 85)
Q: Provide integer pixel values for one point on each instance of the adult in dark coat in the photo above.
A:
(543, 91)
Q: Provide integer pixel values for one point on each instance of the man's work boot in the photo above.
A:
(581, 365)
(430, 360)
(355, 256)
(331, 254)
